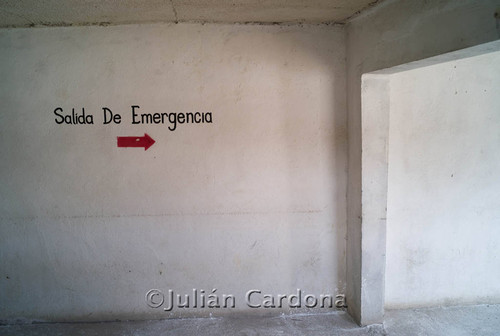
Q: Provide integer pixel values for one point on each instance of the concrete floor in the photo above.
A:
(483, 320)
(453, 321)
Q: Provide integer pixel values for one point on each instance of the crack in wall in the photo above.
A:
(361, 11)
(175, 11)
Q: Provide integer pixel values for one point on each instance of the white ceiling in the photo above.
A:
(24, 13)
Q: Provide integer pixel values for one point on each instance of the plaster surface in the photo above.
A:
(443, 199)
(394, 33)
(255, 199)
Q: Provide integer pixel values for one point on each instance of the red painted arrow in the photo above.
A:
(146, 141)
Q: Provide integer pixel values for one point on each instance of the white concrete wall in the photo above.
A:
(393, 33)
(443, 205)
(254, 200)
